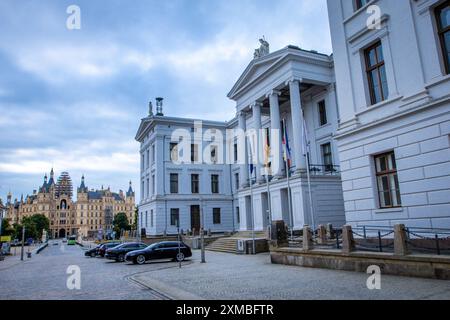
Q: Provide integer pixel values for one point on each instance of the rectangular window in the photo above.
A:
(173, 151)
(148, 158)
(146, 219)
(148, 187)
(151, 218)
(153, 185)
(235, 150)
(174, 183)
(443, 24)
(236, 181)
(387, 181)
(194, 152)
(216, 215)
(153, 154)
(143, 162)
(327, 157)
(360, 3)
(322, 113)
(215, 183)
(376, 73)
(238, 216)
(195, 183)
(174, 217)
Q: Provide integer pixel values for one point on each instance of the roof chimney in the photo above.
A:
(159, 106)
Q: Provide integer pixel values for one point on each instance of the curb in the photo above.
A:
(42, 247)
(164, 289)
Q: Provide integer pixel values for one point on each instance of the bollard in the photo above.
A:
(400, 238)
(322, 233)
(348, 243)
(438, 249)
(307, 240)
(329, 230)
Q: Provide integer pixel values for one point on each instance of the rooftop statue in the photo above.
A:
(263, 49)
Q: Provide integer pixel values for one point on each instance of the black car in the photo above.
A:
(173, 250)
(106, 246)
(92, 252)
(118, 253)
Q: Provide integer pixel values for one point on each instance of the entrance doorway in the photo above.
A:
(62, 233)
(195, 219)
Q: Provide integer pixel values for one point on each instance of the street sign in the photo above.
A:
(5, 238)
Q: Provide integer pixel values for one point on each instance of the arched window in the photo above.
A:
(63, 204)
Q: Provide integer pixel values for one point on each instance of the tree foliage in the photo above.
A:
(121, 222)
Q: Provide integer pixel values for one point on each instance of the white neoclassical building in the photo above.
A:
(290, 92)
(393, 89)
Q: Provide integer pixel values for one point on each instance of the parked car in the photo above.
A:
(92, 252)
(173, 250)
(106, 246)
(118, 253)
(64, 240)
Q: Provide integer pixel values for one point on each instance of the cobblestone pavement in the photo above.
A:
(227, 276)
(44, 277)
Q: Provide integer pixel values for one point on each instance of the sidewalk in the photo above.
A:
(235, 277)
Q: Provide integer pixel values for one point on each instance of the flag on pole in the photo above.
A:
(266, 150)
(305, 139)
(286, 149)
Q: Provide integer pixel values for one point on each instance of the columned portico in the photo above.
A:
(277, 163)
(297, 117)
(256, 107)
(243, 158)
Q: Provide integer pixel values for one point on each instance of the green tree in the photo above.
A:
(30, 228)
(41, 223)
(120, 223)
(7, 229)
(135, 220)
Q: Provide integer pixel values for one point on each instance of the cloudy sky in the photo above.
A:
(73, 99)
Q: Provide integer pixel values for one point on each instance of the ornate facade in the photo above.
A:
(93, 212)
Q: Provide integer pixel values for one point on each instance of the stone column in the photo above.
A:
(297, 126)
(259, 143)
(242, 150)
(400, 237)
(275, 124)
(348, 243)
(307, 239)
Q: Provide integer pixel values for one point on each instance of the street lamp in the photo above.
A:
(202, 232)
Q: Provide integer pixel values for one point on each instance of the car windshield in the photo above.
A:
(152, 246)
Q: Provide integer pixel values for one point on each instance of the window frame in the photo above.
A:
(175, 214)
(328, 167)
(322, 108)
(215, 184)
(377, 66)
(173, 181)
(197, 181)
(217, 216)
(173, 146)
(360, 4)
(388, 173)
(441, 31)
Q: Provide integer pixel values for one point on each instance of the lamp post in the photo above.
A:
(23, 242)
(202, 233)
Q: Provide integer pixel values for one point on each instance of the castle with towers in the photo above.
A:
(89, 216)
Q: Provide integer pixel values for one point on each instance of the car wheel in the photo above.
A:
(180, 256)
(92, 254)
(140, 259)
(121, 258)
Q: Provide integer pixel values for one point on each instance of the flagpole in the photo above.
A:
(286, 165)
(251, 198)
(269, 202)
(311, 207)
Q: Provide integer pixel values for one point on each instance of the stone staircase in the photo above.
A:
(229, 244)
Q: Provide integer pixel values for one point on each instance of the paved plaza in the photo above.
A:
(224, 276)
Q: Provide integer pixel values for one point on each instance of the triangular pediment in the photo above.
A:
(255, 69)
